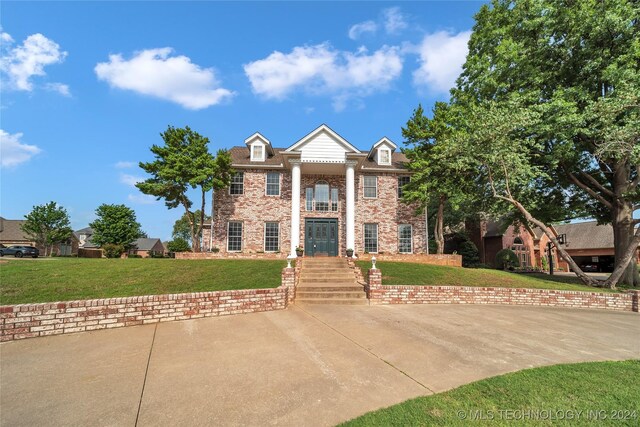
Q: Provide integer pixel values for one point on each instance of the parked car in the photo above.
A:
(20, 251)
(590, 268)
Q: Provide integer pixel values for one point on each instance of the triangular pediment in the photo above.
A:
(323, 145)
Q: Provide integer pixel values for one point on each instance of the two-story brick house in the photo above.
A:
(321, 193)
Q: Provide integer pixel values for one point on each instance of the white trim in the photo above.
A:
(316, 131)
(259, 136)
(241, 236)
(363, 186)
(264, 240)
(266, 184)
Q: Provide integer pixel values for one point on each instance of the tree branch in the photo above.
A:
(597, 184)
(597, 196)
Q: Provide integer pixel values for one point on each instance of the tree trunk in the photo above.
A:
(625, 261)
(198, 229)
(623, 225)
(439, 227)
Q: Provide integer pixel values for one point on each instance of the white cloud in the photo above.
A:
(29, 59)
(13, 152)
(154, 72)
(142, 199)
(442, 55)
(394, 20)
(124, 165)
(364, 27)
(61, 88)
(130, 180)
(323, 70)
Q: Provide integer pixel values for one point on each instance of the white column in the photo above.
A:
(295, 205)
(351, 205)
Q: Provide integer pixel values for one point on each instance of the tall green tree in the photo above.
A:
(47, 225)
(182, 226)
(573, 68)
(115, 225)
(184, 163)
(438, 178)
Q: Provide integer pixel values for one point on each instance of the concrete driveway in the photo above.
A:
(307, 365)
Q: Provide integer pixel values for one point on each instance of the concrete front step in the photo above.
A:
(331, 287)
(329, 294)
(342, 277)
(341, 301)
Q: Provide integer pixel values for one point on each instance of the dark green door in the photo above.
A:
(321, 237)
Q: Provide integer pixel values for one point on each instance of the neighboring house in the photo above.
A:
(84, 238)
(321, 193)
(146, 247)
(586, 242)
(11, 234)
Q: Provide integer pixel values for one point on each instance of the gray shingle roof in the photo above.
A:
(242, 156)
(145, 243)
(587, 235)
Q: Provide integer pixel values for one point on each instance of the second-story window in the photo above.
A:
(322, 196)
(237, 184)
(370, 186)
(402, 181)
(273, 183)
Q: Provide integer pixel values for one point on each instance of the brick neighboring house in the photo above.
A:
(146, 247)
(12, 234)
(321, 193)
(586, 242)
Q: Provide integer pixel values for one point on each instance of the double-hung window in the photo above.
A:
(234, 236)
(405, 239)
(273, 183)
(334, 200)
(271, 236)
(370, 186)
(371, 238)
(237, 184)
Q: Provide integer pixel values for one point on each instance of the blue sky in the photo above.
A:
(87, 87)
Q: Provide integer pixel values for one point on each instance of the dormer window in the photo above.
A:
(382, 152)
(384, 156)
(257, 152)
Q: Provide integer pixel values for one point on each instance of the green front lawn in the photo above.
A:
(405, 273)
(64, 279)
(598, 393)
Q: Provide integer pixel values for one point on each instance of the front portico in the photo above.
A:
(323, 153)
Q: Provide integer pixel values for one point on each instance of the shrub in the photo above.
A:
(545, 263)
(506, 259)
(469, 253)
(135, 256)
(112, 251)
(178, 245)
(156, 255)
(215, 250)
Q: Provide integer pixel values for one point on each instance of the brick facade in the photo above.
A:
(254, 208)
(380, 294)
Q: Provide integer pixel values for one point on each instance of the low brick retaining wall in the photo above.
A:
(432, 259)
(379, 294)
(229, 255)
(34, 320)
